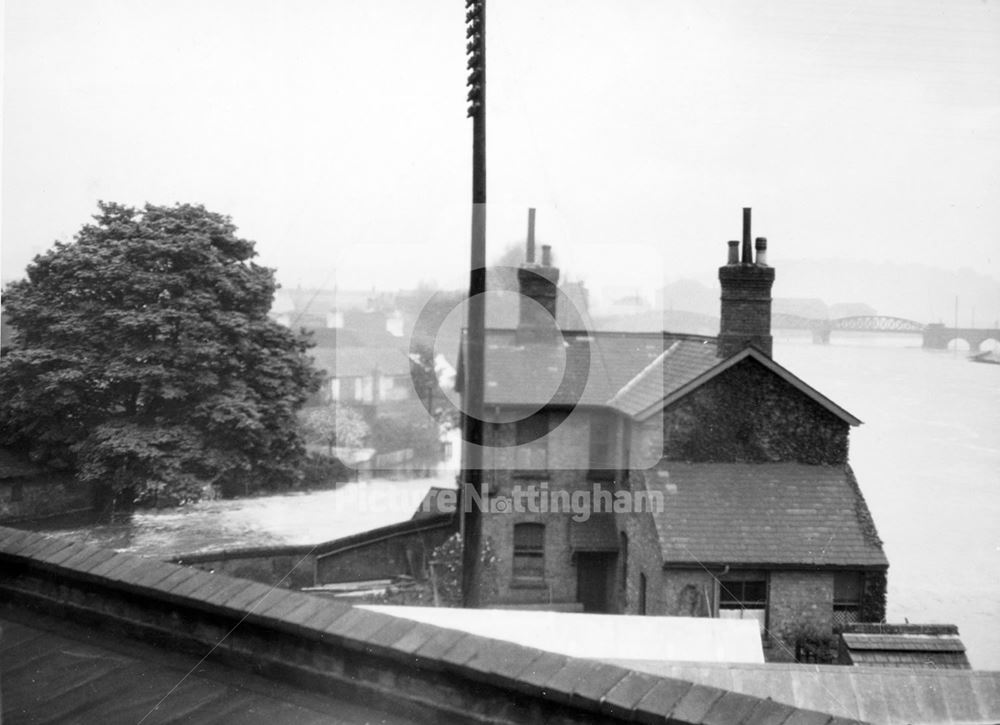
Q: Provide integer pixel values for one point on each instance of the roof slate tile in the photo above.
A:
(761, 513)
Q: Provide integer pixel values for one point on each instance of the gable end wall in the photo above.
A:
(749, 414)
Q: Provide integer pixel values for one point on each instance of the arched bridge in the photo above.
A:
(935, 336)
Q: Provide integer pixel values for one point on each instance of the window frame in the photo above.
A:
(532, 550)
(846, 605)
(735, 584)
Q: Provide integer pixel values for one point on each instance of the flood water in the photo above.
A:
(927, 458)
(928, 461)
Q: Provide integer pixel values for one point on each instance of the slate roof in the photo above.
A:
(588, 368)
(763, 514)
(679, 364)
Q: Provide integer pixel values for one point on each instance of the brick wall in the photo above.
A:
(644, 557)
(688, 592)
(568, 457)
(746, 308)
(799, 598)
(747, 413)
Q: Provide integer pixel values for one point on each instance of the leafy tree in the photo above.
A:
(415, 430)
(334, 425)
(144, 359)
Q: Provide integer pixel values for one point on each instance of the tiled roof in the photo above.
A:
(763, 513)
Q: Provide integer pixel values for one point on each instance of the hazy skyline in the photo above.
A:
(335, 135)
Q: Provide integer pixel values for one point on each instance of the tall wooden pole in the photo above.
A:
(472, 477)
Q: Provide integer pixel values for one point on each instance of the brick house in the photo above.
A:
(759, 515)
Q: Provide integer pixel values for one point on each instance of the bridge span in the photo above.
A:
(936, 336)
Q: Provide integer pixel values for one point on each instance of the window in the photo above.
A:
(603, 446)
(743, 595)
(847, 589)
(532, 441)
(529, 551)
(642, 594)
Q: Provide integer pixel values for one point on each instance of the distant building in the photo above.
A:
(760, 517)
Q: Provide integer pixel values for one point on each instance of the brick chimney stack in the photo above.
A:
(746, 297)
(537, 284)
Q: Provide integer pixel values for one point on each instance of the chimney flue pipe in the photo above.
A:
(761, 245)
(747, 253)
(530, 252)
(734, 252)
(546, 255)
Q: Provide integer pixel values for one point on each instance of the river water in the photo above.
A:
(927, 458)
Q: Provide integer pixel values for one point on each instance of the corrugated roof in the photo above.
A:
(763, 513)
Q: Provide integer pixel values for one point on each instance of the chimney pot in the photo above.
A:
(761, 245)
(546, 255)
(530, 252)
(747, 254)
(734, 252)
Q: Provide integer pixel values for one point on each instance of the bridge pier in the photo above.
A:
(821, 335)
(937, 336)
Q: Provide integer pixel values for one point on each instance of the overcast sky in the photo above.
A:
(334, 132)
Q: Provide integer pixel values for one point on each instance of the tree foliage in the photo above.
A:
(144, 358)
(334, 425)
(412, 429)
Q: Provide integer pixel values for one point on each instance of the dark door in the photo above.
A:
(593, 574)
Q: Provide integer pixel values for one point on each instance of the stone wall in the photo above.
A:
(748, 413)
